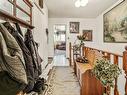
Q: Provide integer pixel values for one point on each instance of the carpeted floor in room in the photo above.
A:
(62, 81)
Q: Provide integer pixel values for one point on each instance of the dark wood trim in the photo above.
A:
(28, 3)
(6, 16)
(31, 15)
(104, 52)
(17, 6)
(14, 7)
(46, 66)
(30, 6)
(12, 2)
(70, 54)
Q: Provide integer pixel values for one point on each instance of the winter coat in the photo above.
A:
(17, 34)
(31, 45)
(12, 65)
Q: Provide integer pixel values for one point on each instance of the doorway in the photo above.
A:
(60, 39)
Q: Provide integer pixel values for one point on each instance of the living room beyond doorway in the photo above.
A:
(60, 39)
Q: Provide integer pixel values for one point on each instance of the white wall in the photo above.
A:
(117, 48)
(40, 21)
(95, 24)
(112, 47)
(70, 37)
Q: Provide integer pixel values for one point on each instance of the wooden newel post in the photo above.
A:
(70, 53)
(125, 67)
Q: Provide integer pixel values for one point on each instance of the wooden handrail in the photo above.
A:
(28, 3)
(115, 57)
(104, 51)
(116, 61)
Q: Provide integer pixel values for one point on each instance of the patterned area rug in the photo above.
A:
(62, 81)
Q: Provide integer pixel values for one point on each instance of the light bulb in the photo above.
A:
(77, 3)
(83, 2)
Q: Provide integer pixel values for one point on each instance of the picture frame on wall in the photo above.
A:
(74, 27)
(115, 24)
(41, 3)
(88, 35)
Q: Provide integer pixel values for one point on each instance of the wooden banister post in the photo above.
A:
(70, 49)
(125, 67)
(84, 51)
(116, 61)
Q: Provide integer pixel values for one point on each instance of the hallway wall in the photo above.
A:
(117, 48)
(40, 21)
(70, 37)
(95, 24)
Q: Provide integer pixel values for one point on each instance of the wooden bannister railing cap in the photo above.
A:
(126, 48)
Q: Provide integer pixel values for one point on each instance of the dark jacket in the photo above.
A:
(12, 66)
(31, 45)
(26, 53)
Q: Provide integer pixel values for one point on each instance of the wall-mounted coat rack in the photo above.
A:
(7, 17)
(17, 12)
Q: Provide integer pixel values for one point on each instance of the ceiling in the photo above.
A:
(67, 9)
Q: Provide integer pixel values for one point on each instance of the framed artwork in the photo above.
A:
(88, 35)
(74, 27)
(115, 24)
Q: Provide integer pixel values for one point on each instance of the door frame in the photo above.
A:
(65, 36)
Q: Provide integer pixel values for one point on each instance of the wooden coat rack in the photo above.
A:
(7, 17)
(12, 18)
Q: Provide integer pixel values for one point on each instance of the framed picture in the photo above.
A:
(41, 3)
(74, 27)
(115, 24)
(88, 35)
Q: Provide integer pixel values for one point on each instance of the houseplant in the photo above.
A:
(81, 38)
(106, 72)
(77, 48)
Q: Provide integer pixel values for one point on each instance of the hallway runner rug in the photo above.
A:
(62, 81)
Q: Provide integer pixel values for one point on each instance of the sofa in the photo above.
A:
(61, 46)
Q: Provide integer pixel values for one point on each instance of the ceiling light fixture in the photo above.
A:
(81, 3)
